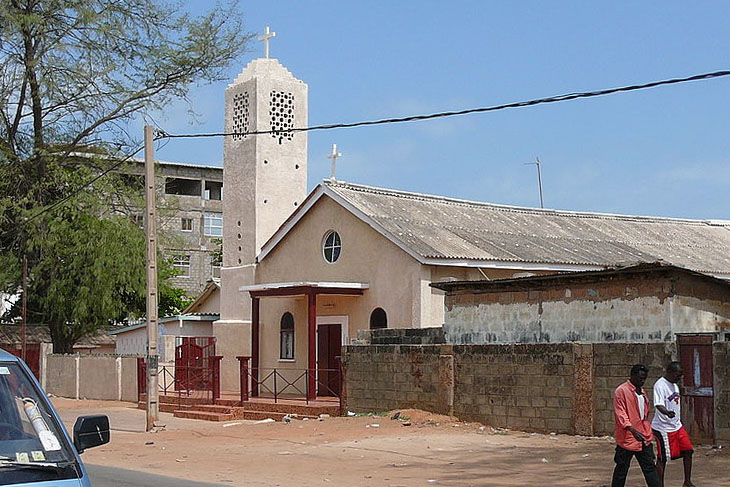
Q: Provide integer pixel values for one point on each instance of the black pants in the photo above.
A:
(646, 460)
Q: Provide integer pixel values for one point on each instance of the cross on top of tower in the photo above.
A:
(268, 35)
(334, 157)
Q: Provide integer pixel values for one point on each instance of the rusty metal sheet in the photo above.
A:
(698, 402)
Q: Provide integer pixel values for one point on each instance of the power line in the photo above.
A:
(161, 134)
(538, 101)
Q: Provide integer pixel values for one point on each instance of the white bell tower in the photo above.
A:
(264, 180)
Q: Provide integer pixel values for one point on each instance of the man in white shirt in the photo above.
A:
(672, 439)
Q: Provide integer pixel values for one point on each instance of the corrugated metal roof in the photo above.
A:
(436, 227)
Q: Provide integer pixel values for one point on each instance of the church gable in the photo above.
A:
(327, 242)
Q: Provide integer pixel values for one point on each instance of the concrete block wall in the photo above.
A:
(564, 388)
(528, 387)
(381, 377)
(401, 336)
(612, 364)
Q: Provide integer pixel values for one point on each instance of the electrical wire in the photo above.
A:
(161, 134)
(519, 104)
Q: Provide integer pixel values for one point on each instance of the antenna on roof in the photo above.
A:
(539, 178)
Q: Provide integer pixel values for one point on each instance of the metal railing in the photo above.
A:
(288, 383)
(202, 382)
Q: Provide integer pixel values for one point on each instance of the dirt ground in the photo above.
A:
(416, 449)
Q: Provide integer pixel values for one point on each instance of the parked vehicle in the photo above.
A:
(35, 448)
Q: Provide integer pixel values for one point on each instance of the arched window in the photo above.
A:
(286, 337)
(378, 319)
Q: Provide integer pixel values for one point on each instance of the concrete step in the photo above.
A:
(179, 400)
(300, 409)
(210, 408)
(164, 407)
(202, 415)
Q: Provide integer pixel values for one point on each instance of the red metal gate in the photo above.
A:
(194, 366)
(195, 375)
(32, 357)
(698, 402)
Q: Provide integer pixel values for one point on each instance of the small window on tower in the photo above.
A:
(186, 224)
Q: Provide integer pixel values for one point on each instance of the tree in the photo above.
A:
(73, 75)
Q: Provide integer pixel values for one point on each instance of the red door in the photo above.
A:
(698, 402)
(329, 349)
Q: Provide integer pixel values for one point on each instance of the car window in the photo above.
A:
(29, 434)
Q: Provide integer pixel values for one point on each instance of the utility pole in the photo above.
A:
(152, 357)
(539, 178)
(24, 312)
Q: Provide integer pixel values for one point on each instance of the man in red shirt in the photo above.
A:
(633, 430)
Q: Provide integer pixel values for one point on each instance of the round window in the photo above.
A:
(332, 247)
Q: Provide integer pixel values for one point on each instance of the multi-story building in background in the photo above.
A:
(190, 215)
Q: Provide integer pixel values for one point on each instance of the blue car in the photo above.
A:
(35, 449)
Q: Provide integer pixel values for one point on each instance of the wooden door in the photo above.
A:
(698, 402)
(329, 349)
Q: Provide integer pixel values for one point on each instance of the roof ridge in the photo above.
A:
(515, 208)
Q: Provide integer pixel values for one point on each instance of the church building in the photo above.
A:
(303, 273)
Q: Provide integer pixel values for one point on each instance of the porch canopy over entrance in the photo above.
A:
(311, 290)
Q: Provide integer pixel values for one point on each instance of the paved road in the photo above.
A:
(119, 477)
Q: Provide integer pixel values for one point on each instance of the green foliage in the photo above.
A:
(74, 74)
(216, 255)
(84, 266)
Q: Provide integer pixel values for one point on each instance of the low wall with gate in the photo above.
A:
(565, 388)
(104, 377)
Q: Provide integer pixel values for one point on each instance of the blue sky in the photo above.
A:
(664, 151)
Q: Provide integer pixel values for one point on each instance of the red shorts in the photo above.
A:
(672, 444)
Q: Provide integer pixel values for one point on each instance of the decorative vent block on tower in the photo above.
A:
(240, 115)
(281, 111)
